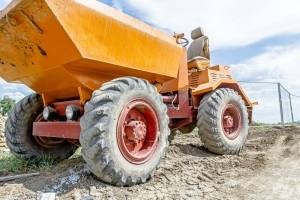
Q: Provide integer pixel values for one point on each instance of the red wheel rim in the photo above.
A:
(137, 132)
(231, 121)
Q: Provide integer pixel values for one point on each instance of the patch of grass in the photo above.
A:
(77, 154)
(10, 163)
(258, 124)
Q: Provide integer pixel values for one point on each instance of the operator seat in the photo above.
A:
(198, 51)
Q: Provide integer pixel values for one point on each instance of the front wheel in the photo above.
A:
(124, 131)
(223, 121)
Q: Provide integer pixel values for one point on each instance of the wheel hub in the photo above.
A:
(137, 132)
(231, 121)
(228, 121)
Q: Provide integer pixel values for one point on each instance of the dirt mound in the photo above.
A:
(280, 178)
(2, 139)
(266, 169)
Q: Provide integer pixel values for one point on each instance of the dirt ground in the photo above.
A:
(268, 168)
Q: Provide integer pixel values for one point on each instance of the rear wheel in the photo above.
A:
(124, 131)
(19, 138)
(223, 121)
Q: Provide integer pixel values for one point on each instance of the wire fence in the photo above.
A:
(276, 103)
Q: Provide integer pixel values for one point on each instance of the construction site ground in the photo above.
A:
(267, 168)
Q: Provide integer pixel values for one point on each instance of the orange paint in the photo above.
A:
(65, 49)
(56, 46)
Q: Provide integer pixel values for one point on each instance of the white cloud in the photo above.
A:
(117, 4)
(15, 95)
(15, 91)
(227, 22)
(232, 23)
(276, 64)
(4, 3)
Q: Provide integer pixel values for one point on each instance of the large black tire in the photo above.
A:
(99, 129)
(210, 122)
(18, 133)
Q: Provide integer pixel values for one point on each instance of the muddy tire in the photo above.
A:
(19, 138)
(128, 153)
(223, 121)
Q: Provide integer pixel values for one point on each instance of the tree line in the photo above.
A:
(6, 104)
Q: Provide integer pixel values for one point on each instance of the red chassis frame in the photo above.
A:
(179, 110)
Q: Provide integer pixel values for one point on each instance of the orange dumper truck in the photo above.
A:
(114, 85)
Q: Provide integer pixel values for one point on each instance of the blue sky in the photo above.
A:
(260, 40)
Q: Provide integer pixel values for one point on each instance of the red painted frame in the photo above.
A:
(181, 111)
(183, 108)
(67, 130)
(59, 129)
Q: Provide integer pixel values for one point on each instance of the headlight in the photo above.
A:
(72, 112)
(49, 113)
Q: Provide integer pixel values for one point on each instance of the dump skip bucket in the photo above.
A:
(56, 46)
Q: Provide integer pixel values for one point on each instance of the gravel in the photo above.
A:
(267, 168)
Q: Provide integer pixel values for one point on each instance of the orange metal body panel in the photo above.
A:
(181, 83)
(199, 64)
(65, 49)
(210, 79)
